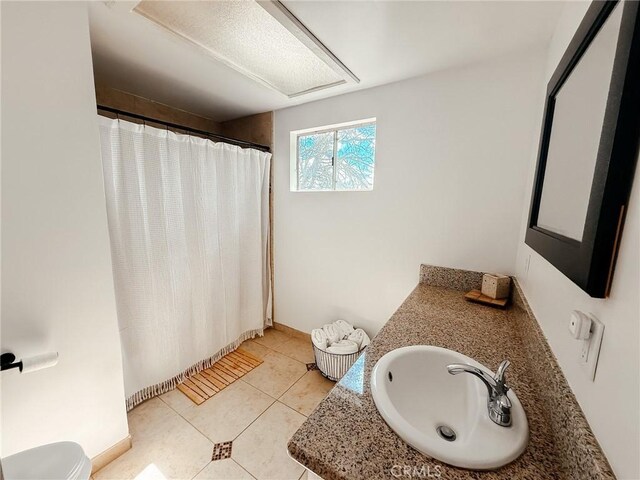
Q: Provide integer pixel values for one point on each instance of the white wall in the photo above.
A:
(451, 151)
(57, 288)
(611, 403)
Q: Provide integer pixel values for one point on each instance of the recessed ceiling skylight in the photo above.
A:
(262, 40)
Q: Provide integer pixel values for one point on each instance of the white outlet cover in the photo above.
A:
(592, 345)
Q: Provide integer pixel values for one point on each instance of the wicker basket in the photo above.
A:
(335, 365)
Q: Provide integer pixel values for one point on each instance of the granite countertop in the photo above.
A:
(346, 438)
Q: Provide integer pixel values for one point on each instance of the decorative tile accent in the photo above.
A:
(221, 451)
(261, 450)
(311, 366)
(463, 280)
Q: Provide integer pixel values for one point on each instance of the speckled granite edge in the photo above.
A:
(579, 452)
(561, 446)
(463, 280)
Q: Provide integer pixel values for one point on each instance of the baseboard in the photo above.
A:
(110, 454)
(291, 331)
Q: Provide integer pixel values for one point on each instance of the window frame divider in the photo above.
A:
(334, 159)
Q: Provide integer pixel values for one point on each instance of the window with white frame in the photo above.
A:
(336, 158)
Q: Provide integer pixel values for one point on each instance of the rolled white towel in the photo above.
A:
(343, 347)
(332, 332)
(319, 338)
(344, 327)
(360, 337)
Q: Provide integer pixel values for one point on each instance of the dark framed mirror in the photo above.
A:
(589, 148)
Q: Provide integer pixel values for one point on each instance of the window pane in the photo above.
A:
(356, 153)
(315, 164)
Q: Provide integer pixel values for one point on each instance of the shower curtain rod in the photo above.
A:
(221, 138)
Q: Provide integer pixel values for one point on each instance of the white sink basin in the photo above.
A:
(415, 394)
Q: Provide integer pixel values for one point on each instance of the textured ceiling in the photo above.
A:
(380, 42)
(244, 36)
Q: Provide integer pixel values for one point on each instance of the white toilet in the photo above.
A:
(55, 461)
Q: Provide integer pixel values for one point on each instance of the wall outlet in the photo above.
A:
(590, 351)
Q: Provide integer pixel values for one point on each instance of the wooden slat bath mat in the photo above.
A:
(218, 376)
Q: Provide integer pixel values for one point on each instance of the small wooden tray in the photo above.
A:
(477, 297)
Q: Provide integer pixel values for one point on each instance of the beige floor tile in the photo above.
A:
(297, 349)
(262, 448)
(305, 395)
(177, 400)
(276, 374)
(272, 338)
(255, 349)
(225, 415)
(165, 445)
(223, 470)
(292, 332)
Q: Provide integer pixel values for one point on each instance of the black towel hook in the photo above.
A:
(8, 361)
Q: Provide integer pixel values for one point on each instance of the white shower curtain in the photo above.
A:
(189, 229)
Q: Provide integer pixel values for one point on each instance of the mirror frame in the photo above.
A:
(590, 262)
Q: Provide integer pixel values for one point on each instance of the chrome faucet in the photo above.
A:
(498, 403)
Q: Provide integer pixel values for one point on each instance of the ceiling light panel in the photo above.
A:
(262, 40)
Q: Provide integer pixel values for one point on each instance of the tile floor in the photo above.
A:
(173, 438)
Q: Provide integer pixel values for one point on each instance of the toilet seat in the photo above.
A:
(55, 461)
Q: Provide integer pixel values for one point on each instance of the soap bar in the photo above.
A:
(495, 285)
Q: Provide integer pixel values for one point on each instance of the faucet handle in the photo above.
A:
(504, 402)
(500, 375)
